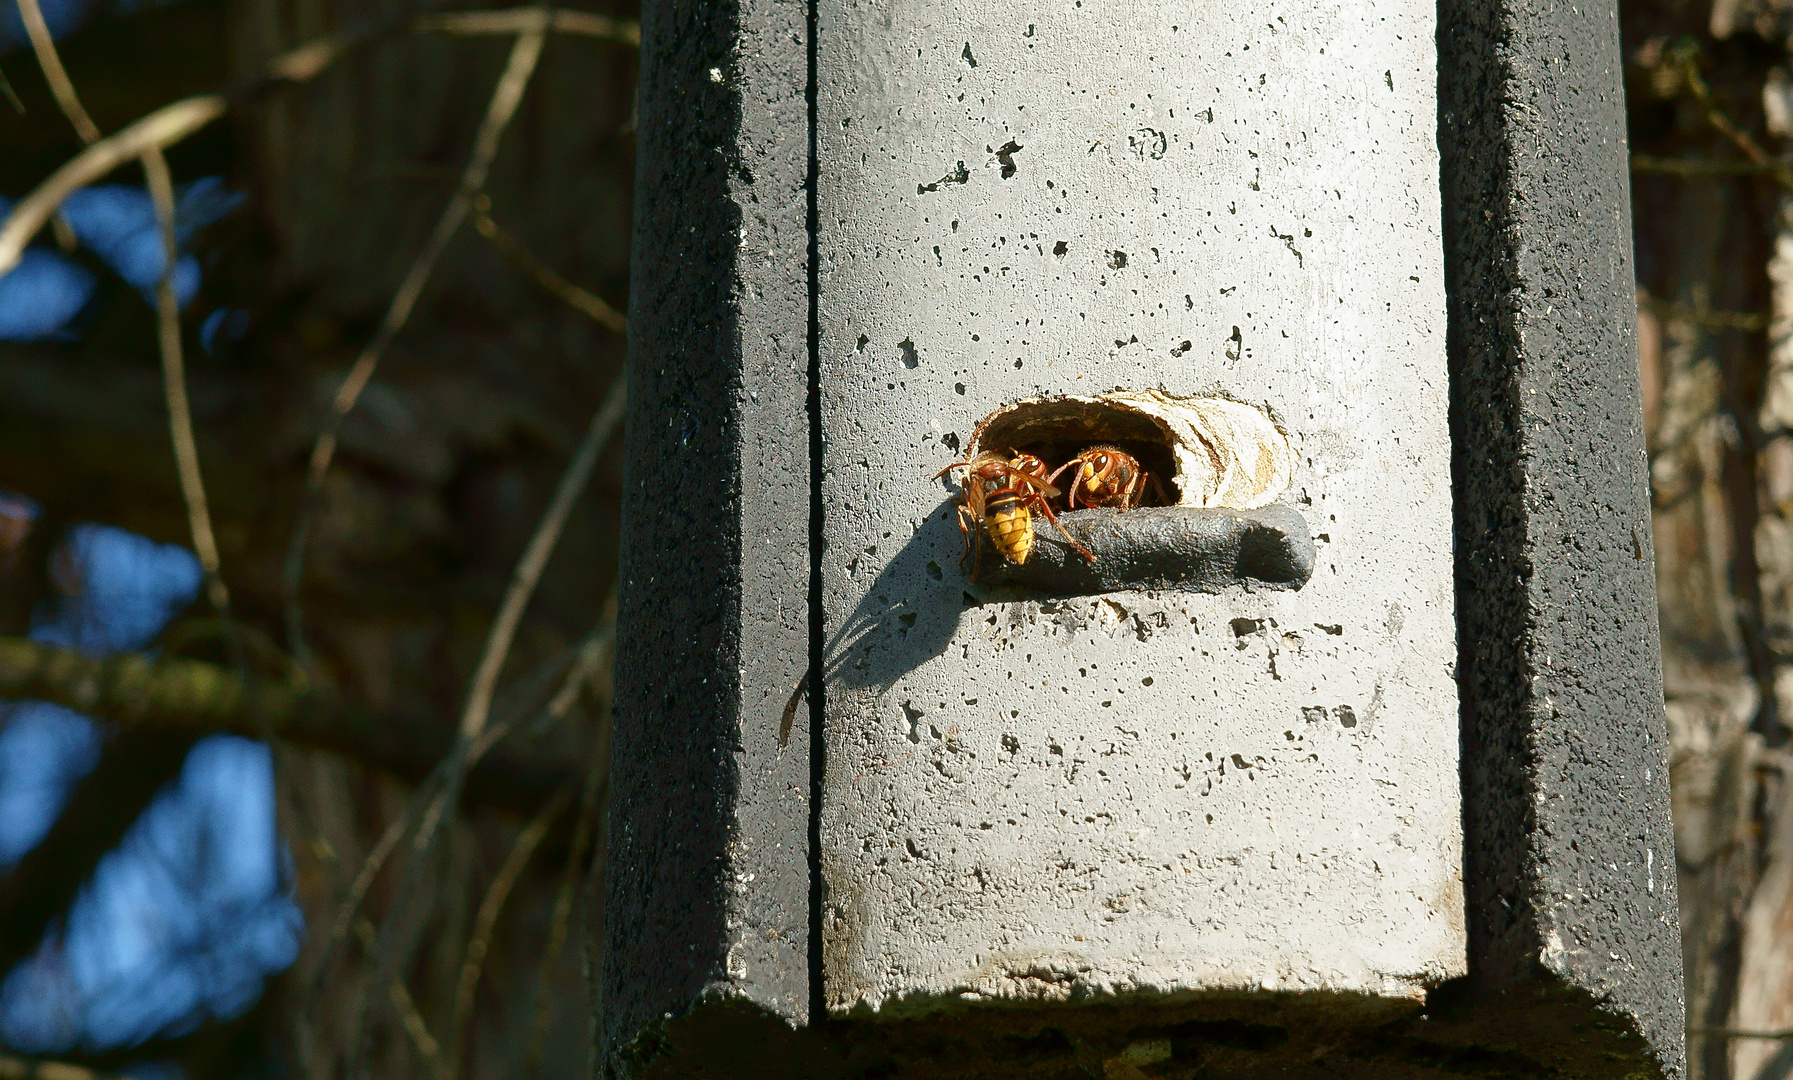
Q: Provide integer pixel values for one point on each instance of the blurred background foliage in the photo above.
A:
(443, 473)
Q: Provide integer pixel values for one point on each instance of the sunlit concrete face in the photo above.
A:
(1136, 792)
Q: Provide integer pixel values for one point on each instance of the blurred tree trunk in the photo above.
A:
(1709, 228)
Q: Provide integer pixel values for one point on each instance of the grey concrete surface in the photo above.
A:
(708, 891)
(1246, 798)
(1135, 794)
(1570, 849)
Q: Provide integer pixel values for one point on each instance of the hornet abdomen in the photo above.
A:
(1010, 524)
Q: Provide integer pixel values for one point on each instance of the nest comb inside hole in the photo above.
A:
(1207, 452)
(1222, 464)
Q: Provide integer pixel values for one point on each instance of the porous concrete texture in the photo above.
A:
(1130, 195)
(1135, 795)
(1570, 864)
(708, 885)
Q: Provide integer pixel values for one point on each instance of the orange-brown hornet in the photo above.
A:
(1106, 476)
(1000, 494)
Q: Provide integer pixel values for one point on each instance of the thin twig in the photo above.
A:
(588, 303)
(401, 825)
(160, 183)
(162, 128)
(522, 20)
(1710, 318)
(1732, 1033)
(506, 96)
(485, 924)
(594, 651)
(174, 122)
(1681, 166)
(591, 810)
(11, 95)
(535, 558)
(1724, 125)
(371, 866)
(428, 1047)
(524, 579)
(17, 1068)
(174, 388)
(61, 87)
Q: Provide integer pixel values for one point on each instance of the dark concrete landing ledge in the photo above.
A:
(1161, 547)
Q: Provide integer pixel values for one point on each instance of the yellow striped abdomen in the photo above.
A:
(1010, 524)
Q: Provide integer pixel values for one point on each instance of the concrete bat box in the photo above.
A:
(1075, 620)
(1159, 769)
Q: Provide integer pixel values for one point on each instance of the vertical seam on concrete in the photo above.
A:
(817, 704)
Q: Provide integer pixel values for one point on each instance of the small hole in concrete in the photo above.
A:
(1117, 259)
(959, 388)
(934, 570)
(1006, 156)
(1243, 626)
(1057, 431)
(1060, 248)
(910, 357)
(1206, 471)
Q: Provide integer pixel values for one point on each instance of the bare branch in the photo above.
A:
(131, 691)
(410, 1016)
(162, 128)
(521, 20)
(11, 95)
(598, 648)
(1724, 125)
(160, 183)
(587, 303)
(1700, 166)
(174, 122)
(485, 924)
(1749, 322)
(174, 383)
(506, 96)
(535, 559)
(61, 87)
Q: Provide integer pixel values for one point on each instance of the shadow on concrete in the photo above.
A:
(911, 610)
(909, 613)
